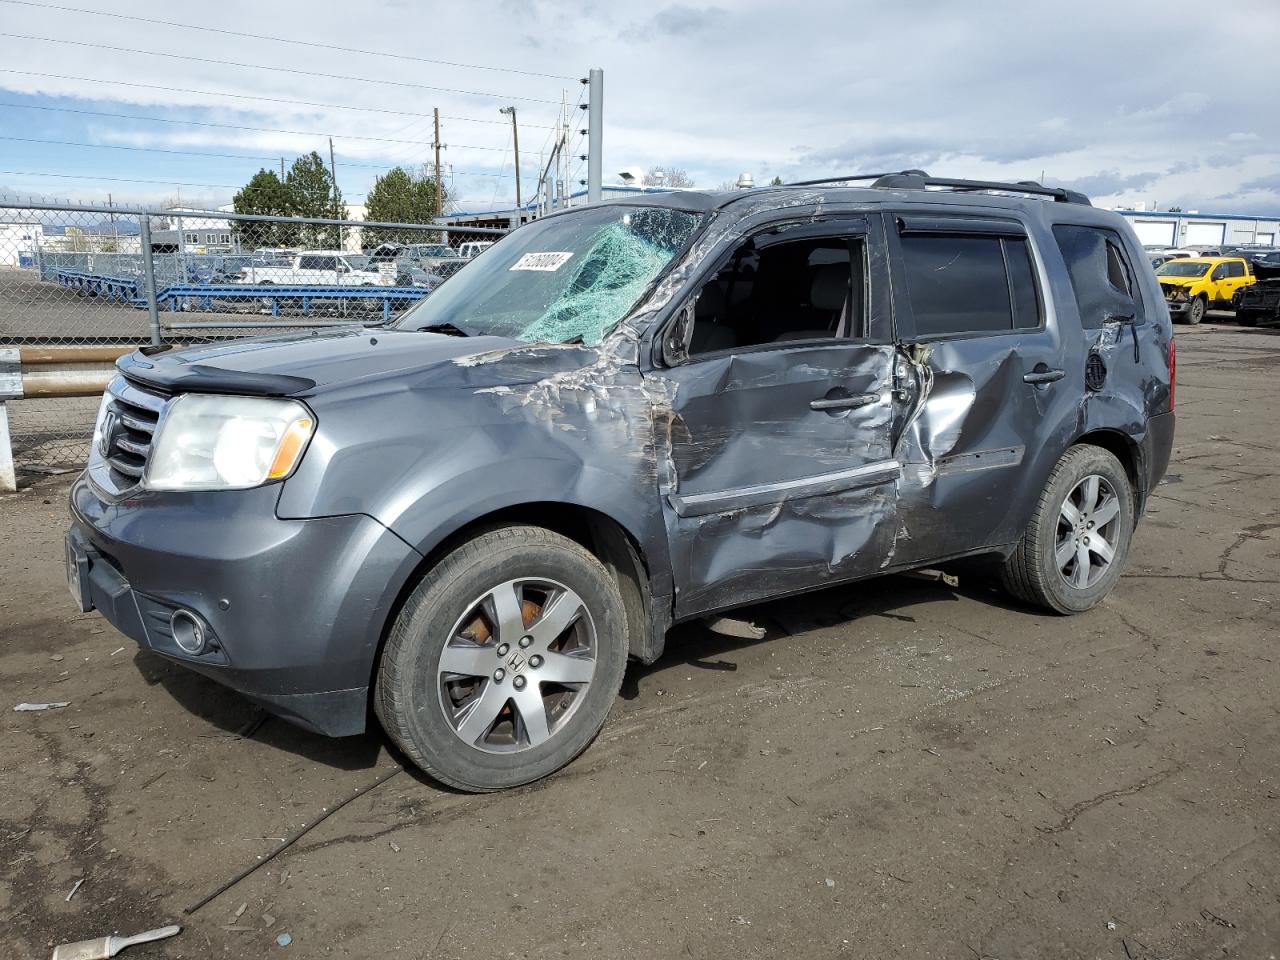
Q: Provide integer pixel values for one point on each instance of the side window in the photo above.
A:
(808, 289)
(1101, 278)
(962, 284)
(1235, 268)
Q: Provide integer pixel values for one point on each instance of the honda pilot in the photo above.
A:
(625, 416)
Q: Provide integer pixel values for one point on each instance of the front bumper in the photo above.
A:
(1178, 307)
(293, 609)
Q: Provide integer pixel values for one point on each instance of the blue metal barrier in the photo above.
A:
(179, 297)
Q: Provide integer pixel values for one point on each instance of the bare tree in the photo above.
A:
(660, 176)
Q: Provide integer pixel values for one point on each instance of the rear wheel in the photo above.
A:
(505, 660)
(1074, 549)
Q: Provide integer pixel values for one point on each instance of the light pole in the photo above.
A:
(515, 141)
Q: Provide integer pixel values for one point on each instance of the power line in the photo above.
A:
(301, 43)
(74, 176)
(230, 156)
(261, 66)
(227, 126)
(242, 96)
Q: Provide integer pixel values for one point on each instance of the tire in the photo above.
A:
(1033, 572)
(477, 730)
(1247, 318)
(1197, 311)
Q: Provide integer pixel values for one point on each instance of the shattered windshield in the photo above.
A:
(569, 277)
(1182, 268)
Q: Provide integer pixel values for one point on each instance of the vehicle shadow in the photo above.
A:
(692, 644)
(240, 718)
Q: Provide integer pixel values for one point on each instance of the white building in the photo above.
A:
(18, 240)
(1208, 231)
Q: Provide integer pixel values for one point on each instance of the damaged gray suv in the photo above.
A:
(621, 417)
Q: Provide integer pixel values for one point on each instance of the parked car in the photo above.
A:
(1160, 256)
(320, 268)
(625, 416)
(1260, 302)
(1193, 286)
(473, 248)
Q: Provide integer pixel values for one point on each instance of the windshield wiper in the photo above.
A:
(449, 329)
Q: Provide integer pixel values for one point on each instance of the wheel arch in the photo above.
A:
(1125, 449)
(600, 534)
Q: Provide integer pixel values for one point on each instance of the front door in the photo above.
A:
(780, 467)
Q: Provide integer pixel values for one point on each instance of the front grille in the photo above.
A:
(129, 429)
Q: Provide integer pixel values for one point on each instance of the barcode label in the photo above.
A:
(548, 262)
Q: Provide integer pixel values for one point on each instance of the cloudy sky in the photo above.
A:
(1171, 103)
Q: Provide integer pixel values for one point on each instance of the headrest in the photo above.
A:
(830, 287)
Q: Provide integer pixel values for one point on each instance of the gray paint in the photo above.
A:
(731, 487)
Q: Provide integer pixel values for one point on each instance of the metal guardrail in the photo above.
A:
(28, 373)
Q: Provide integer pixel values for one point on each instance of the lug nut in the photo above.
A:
(525, 641)
(519, 683)
(499, 674)
(535, 661)
(503, 648)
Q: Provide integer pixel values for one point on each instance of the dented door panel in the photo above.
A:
(766, 495)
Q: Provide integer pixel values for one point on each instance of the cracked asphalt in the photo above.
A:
(900, 769)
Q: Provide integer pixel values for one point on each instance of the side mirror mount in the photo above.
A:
(676, 340)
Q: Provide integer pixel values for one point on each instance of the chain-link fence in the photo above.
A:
(81, 276)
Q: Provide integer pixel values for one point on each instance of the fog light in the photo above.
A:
(188, 631)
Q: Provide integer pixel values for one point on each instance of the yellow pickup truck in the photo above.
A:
(1191, 286)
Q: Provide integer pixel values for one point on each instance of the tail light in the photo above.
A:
(1173, 370)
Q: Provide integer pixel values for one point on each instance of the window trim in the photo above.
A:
(850, 225)
(977, 227)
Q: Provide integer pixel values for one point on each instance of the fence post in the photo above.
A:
(149, 276)
(10, 386)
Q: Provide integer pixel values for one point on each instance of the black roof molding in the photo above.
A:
(919, 180)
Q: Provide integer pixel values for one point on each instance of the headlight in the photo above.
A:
(210, 442)
(96, 445)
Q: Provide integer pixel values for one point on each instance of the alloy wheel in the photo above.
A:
(1088, 528)
(517, 665)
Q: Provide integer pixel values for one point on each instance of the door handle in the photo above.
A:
(844, 403)
(1043, 374)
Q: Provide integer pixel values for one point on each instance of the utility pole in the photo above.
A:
(333, 174)
(595, 133)
(515, 142)
(439, 194)
(282, 169)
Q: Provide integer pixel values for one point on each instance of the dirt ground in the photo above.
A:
(901, 769)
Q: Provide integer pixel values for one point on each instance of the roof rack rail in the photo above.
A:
(919, 180)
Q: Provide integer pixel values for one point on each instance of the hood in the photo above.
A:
(305, 363)
(1180, 281)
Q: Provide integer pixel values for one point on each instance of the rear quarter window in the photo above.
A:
(1101, 276)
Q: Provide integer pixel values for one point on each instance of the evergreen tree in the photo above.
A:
(264, 195)
(398, 196)
(312, 194)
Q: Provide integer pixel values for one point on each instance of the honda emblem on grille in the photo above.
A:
(109, 419)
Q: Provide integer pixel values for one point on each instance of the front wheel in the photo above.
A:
(504, 661)
(1197, 311)
(1074, 548)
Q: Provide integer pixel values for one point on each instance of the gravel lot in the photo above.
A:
(901, 769)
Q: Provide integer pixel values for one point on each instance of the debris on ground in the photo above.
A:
(106, 947)
(75, 889)
(30, 707)
(284, 940)
(731, 627)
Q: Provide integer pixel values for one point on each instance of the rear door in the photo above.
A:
(991, 384)
(780, 473)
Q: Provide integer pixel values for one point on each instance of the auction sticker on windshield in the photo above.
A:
(548, 261)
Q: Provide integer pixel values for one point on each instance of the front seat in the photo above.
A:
(709, 335)
(829, 296)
